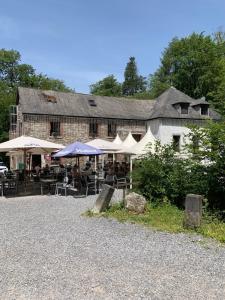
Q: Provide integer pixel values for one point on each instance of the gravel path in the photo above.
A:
(49, 251)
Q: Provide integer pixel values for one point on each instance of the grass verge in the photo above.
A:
(166, 217)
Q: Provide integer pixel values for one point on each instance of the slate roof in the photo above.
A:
(34, 101)
(199, 102)
(164, 106)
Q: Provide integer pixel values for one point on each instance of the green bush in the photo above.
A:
(211, 149)
(163, 177)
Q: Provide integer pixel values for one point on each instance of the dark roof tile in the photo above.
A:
(75, 104)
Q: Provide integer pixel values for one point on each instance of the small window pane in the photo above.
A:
(54, 129)
(184, 108)
(204, 110)
(93, 129)
(111, 129)
(176, 143)
(137, 137)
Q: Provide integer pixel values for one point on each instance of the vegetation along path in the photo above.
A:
(48, 250)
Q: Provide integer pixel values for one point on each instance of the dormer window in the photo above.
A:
(92, 102)
(204, 110)
(184, 108)
(201, 106)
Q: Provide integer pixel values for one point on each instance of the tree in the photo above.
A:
(6, 99)
(108, 86)
(133, 83)
(14, 74)
(210, 153)
(194, 65)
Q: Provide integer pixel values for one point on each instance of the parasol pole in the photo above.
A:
(95, 163)
(78, 158)
(131, 169)
(24, 167)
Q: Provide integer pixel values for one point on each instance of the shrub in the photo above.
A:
(164, 177)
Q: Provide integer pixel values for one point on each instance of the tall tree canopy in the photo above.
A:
(133, 83)
(108, 86)
(195, 65)
(13, 74)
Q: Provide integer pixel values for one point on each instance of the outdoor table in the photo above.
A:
(47, 182)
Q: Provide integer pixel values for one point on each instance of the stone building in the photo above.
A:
(68, 117)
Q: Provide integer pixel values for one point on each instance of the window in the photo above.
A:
(137, 137)
(111, 129)
(204, 110)
(184, 108)
(54, 129)
(13, 117)
(176, 143)
(92, 102)
(93, 129)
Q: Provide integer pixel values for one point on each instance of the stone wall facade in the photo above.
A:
(76, 128)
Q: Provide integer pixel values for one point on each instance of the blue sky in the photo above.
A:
(82, 41)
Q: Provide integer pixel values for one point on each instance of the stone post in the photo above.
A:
(104, 198)
(193, 211)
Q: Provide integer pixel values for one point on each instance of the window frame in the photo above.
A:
(93, 129)
(112, 129)
(184, 108)
(176, 144)
(206, 108)
(55, 130)
(137, 136)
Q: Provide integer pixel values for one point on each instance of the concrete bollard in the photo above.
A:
(104, 198)
(193, 211)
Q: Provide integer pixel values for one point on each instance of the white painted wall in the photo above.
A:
(164, 129)
(168, 129)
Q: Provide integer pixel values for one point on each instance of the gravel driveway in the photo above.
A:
(49, 251)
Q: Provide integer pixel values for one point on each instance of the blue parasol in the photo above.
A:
(78, 149)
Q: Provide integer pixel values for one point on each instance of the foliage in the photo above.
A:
(14, 74)
(134, 86)
(211, 153)
(168, 218)
(133, 83)
(108, 86)
(164, 217)
(6, 99)
(194, 65)
(163, 177)
(142, 96)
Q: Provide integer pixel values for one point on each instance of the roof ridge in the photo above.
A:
(84, 94)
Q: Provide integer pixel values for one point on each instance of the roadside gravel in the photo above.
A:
(49, 251)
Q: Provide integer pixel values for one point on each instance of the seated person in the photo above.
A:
(37, 169)
(46, 170)
(88, 169)
(75, 170)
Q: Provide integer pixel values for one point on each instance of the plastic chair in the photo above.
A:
(65, 186)
(62, 186)
(120, 182)
(91, 184)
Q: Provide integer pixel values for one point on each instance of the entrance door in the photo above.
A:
(36, 160)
